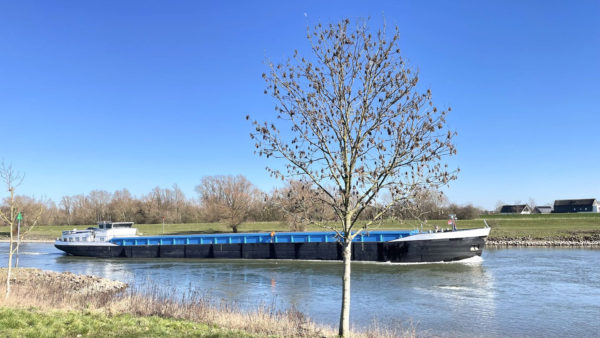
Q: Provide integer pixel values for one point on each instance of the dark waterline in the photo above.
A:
(510, 292)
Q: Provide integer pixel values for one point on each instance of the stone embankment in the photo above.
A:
(542, 243)
(67, 281)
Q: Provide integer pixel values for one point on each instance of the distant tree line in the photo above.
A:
(228, 199)
(120, 205)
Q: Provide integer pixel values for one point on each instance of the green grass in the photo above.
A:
(37, 323)
(546, 227)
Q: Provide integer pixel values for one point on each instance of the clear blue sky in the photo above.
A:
(137, 94)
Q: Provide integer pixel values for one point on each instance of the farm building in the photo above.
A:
(581, 205)
(545, 209)
(515, 209)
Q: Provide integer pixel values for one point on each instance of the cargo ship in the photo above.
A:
(120, 239)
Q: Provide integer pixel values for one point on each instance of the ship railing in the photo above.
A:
(75, 231)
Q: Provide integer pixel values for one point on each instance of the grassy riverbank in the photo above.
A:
(557, 227)
(34, 322)
(51, 304)
(551, 227)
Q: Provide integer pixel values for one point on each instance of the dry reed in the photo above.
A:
(55, 291)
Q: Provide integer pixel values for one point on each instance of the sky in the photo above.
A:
(137, 94)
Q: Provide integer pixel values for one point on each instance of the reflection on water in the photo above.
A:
(511, 292)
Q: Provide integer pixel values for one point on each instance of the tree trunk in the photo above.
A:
(345, 313)
(10, 247)
(8, 273)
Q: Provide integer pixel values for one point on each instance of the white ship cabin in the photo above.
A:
(103, 233)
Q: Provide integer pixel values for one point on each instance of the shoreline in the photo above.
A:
(86, 299)
(546, 243)
(29, 241)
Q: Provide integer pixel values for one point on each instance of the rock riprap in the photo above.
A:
(77, 284)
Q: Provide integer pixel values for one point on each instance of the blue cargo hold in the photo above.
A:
(262, 237)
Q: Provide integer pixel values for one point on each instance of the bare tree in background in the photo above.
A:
(66, 205)
(123, 205)
(12, 180)
(179, 203)
(531, 203)
(31, 206)
(227, 198)
(357, 128)
(100, 202)
(301, 204)
(426, 204)
(498, 206)
(84, 212)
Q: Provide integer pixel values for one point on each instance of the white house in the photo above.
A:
(522, 209)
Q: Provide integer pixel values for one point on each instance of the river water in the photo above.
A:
(535, 292)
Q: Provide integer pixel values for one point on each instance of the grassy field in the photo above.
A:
(576, 227)
(537, 227)
(34, 322)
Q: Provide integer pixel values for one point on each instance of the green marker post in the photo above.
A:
(19, 218)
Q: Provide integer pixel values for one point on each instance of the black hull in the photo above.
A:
(398, 252)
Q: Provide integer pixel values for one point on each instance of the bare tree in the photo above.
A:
(301, 204)
(357, 128)
(83, 212)
(120, 205)
(531, 204)
(66, 205)
(99, 201)
(426, 204)
(179, 203)
(123, 205)
(227, 198)
(31, 206)
(268, 207)
(12, 180)
(498, 206)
